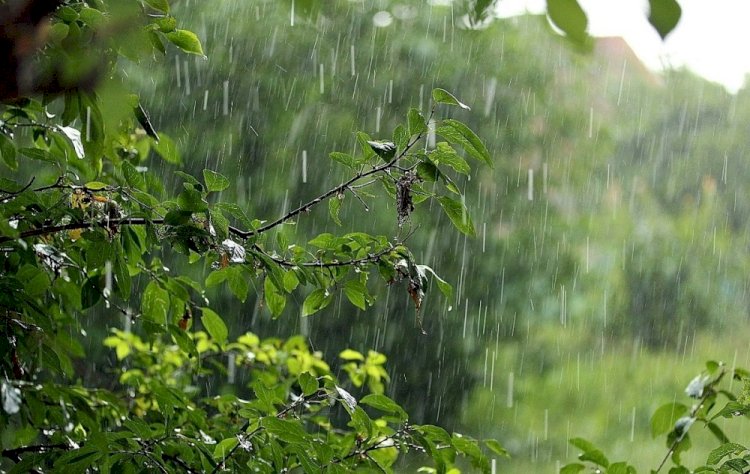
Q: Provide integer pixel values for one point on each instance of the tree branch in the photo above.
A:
(334, 191)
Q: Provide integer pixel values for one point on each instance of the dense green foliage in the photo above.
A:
(81, 230)
(153, 289)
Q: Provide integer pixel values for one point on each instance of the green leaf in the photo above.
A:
(444, 154)
(458, 133)
(350, 354)
(620, 468)
(224, 447)
(323, 241)
(664, 15)
(316, 301)
(383, 403)
(132, 176)
(417, 123)
(237, 283)
(275, 299)
(167, 149)
(590, 452)
(719, 453)
(308, 383)
(356, 293)
(442, 96)
(458, 214)
(470, 448)
(290, 280)
(445, 288)
(570, 18)
(95, 185)
(334, 206)
(155, 303)
(361, 422)
(220, 223)
(732, 409)
(214, 325)
(186, 41)
(160, 5)
(572, 468)
(343, 158)
(38, 154)
(191, 200)
(664, 418)
(717, 432)
(92, 17)
(496, 447)
(183, 341)
(122, 275)
(8, 152)
(215, 182)
(400, 136)
(286, 430)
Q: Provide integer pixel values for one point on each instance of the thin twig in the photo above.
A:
(14, 193)
(708, 391)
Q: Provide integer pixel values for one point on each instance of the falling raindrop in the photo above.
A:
(304, 166)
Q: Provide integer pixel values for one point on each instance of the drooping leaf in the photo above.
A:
(275, 299)
(315, 301)
(356, 293)
(8, 152)
(167, 149)
(590, 452)
(334, 206)
(458, 133)
(570, 18)
(417, 123)
(664, 15)
(155, 303)
(442, 96)
(458, 214)
(214, 325)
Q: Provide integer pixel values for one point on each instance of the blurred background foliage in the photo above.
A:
(610, 256)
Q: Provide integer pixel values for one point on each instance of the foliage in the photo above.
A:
(675, 420)
(87, 223)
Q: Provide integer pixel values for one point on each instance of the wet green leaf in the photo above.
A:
(356, 293)
(214, 325)
(275, 299)
(458, 214)
(160, 5)
(417, 123)
(442, 96)
(458, 133)
(215, 182)
(186, 41)
(664, 15)
(664, 418)
(570, 18)
(155, 303)
(315, 301)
